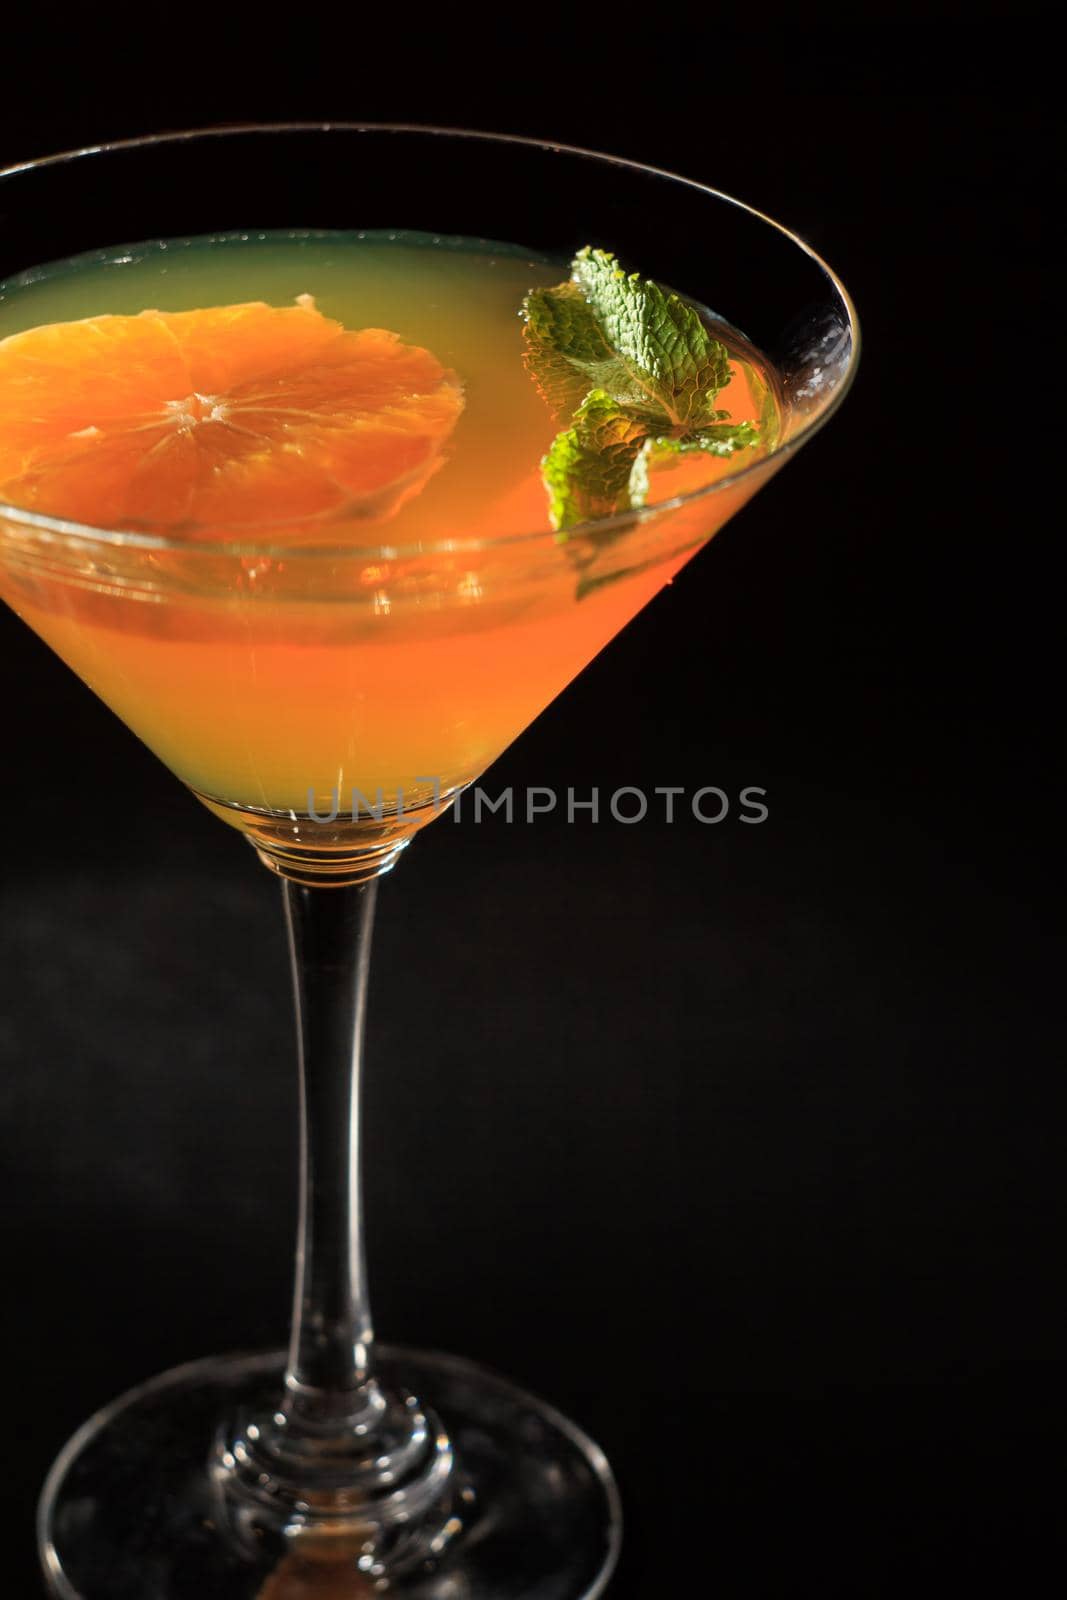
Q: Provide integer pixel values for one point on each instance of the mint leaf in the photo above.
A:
(717, 440)
(588, 466)
(657, 338)
(565, 351)
(606, 329)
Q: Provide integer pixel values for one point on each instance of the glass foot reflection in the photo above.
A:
(132, 1509)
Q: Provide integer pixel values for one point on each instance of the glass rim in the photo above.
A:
(617, 521)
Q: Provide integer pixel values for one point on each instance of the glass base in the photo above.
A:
(132, 1510)
(330, 852)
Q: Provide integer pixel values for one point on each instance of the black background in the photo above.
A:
(736, 1142)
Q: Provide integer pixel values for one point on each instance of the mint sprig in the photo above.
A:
(636, 371)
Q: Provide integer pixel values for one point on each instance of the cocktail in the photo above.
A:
(328, 456)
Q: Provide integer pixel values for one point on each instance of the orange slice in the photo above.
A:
(236, 416)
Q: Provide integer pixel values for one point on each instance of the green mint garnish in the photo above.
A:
(668, 360)
(588, 467)
(636, 372)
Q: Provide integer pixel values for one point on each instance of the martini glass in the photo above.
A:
(338, 1467)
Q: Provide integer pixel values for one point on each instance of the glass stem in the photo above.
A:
(330, 1351)
(343, 1453)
